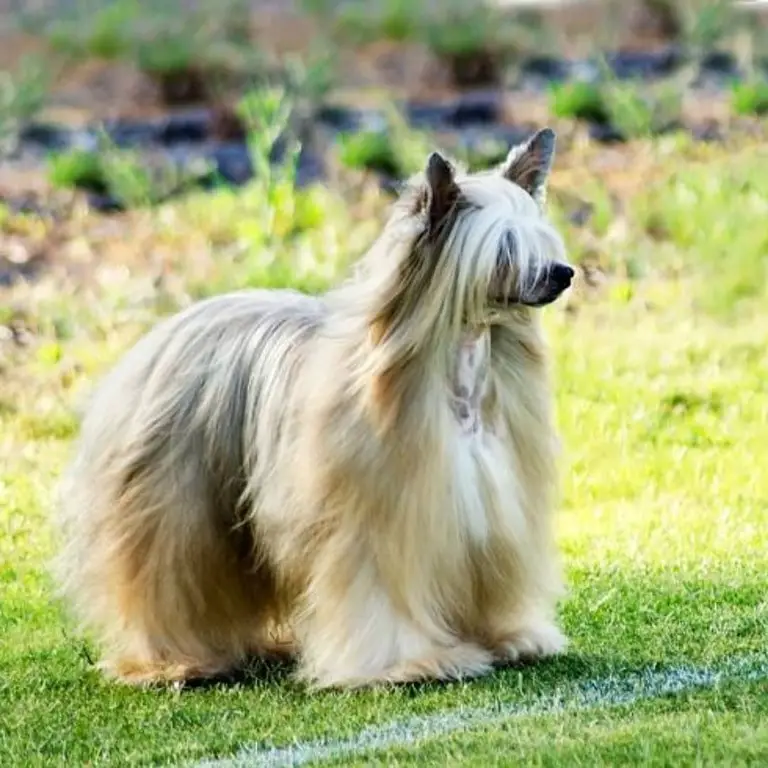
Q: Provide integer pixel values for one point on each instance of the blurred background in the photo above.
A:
(180, 84)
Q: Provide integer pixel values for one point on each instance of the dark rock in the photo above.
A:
(604, 133)
(537, 72)
(11, 273)
(423, 115)
(476, 108)
(340, 118)
(345, 119)
(470, 109)
(190, 126)
(104, 202)
(127, 134)
(311, 168)
(232, 163)
(717, 69)
(721, 62)
(47, 136)
(13, 269)
(645, 65)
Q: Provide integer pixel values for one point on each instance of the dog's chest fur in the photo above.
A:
(470, 380)
(484, 491)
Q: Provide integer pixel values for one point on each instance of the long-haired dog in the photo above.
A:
(364, 479)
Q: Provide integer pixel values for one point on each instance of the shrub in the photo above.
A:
(579, 100)
(750, 98)
(637, 111)
(397, 152)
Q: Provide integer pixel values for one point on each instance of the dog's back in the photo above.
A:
(161, 468)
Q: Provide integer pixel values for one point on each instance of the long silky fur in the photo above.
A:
(268, 470)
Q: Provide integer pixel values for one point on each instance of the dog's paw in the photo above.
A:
(461, 662)
(532, 642)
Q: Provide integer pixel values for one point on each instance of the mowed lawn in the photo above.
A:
(662, 399)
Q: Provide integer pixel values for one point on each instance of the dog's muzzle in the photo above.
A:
(557, 279)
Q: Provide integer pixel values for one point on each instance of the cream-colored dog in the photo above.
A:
(363, 478)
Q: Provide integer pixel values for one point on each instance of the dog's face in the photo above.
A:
(486, 233)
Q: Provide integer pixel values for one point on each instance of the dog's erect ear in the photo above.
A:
(442, 189)
(528, 165)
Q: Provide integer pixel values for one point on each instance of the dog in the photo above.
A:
(362, 480)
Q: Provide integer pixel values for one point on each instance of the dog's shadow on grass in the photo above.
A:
(259, 671)
(256, 670)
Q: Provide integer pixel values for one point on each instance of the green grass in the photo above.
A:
(662, 399)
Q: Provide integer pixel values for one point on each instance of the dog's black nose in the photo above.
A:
(562, 275)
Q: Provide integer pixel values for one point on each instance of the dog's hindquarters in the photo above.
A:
(158, 556)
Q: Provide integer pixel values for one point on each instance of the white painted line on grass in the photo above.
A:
(607, 691)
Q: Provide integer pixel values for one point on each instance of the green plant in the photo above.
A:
(579, 100)
(750, 98)
(373, 150)
(121, 174)
(463, 33)
(707, 24)
(167, 40)
(398, 151)
(471, 28)
(638, 111)
(397, 20)
(104, 31)
(308, 77)
(267, 113)
(76, 168)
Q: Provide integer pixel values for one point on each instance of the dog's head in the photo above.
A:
(485, 245)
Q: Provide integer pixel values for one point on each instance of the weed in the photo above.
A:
(120, 174)
(638, 111)
(104, 32)
(579, 100)
(397, 20)
(750, 98)
(397, 151)
(187, 51)
(477, 42)
(77, 168)
(707, 24)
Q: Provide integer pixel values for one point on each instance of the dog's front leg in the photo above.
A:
(519, 608)
(530, 638)
(352, 635)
